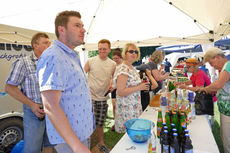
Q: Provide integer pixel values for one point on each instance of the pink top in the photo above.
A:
(201, 79)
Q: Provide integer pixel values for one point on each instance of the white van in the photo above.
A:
(11, 114)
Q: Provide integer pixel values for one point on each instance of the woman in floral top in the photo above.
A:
(128, 85)
(217, 59)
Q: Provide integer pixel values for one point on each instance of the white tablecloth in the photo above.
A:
(199, 130)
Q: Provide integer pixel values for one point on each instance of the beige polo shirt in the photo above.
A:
(99, 77)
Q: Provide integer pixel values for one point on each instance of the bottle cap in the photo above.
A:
(175, 134)
(164, 124)
(174, 130)
(187, 135)
(186, 131)
(165, 131)
(165, 127)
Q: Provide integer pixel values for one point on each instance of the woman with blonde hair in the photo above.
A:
(216, 58)
(129, 85)
(156, 59)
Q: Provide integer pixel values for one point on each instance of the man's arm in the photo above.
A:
(59, 120)
(86, 67)
(16, 93)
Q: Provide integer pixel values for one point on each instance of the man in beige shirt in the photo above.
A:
(100, 70)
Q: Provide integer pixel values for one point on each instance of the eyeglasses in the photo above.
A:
(133, 51)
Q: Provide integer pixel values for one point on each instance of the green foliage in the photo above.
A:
(216, 129)
(95, 53)
(92, 53)
(145, 52)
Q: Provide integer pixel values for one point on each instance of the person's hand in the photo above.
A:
(177, 83)
(166, 75)
(144, 86)
(199, 89)
(111, 89)
(182, 86)
(37, 110)
(81, 149)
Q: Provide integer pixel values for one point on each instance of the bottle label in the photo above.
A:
(158, 131)
(172, 150)
(165, 149)
(159, 120)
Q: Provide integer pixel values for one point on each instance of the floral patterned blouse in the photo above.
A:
(223, 94)
(127, 107)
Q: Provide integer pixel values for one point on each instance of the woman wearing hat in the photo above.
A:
(216, 58)
(198, 78)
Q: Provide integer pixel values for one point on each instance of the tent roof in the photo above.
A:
(214, 14)
(16, 35)
(145, 22)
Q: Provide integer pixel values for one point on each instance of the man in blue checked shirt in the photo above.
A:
(23, 75)
(64, 88)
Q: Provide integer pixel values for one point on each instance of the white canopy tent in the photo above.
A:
(144, 22)
(16, 35)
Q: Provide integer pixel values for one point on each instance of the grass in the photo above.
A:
(216, 129)
(111, 138)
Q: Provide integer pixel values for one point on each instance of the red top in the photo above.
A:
(180, 66)
(201, 79)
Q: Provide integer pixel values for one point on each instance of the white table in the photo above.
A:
(199, 130)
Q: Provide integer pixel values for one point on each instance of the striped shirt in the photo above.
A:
(23, 74)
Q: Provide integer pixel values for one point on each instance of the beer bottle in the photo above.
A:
(174, 145)
(187, 145)
(145, 80)
(182, 122)
(167, 120)
(172, 126)
(175, 119)
(171, 134)
(182, 136)
(159, 123)
(185, 132)
(162, 131)
(165, 148)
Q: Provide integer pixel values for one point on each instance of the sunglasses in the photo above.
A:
(133, 51)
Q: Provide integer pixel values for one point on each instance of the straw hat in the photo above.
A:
(192, 61)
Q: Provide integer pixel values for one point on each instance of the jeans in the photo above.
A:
(65, 148)
(35, 136)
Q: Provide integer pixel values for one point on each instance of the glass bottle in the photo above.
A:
(174, 145)
(159, 123)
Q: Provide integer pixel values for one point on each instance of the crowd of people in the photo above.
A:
(65, 103)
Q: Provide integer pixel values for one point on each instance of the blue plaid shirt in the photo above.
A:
(23, 74)
(59, 68)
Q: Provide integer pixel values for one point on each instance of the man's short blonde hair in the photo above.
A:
(211, 53)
